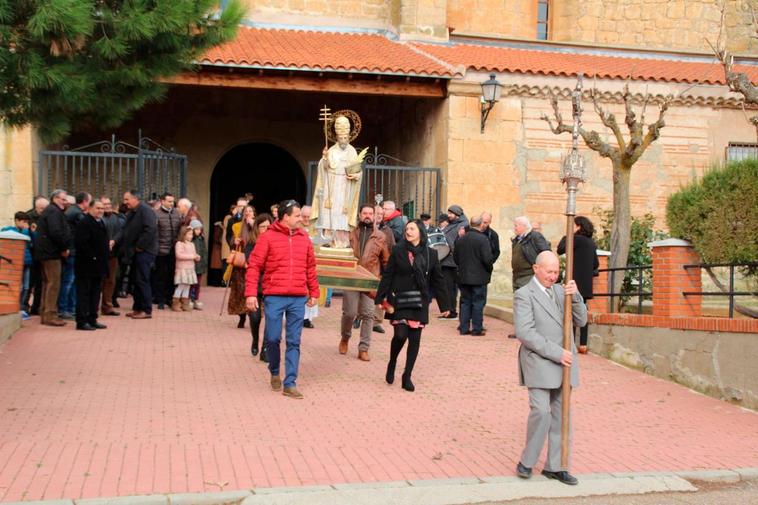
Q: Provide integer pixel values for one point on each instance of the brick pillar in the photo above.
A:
(671, 279)
(599, 305)
(12, 246)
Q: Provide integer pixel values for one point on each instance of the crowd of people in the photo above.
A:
(84, 255)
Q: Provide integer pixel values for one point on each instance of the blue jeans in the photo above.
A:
(471, 315)
(67, 296)
(25, 285)
(275, 307)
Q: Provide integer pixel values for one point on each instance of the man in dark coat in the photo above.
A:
(91, 267)
(35, 274)
(52, 244)
(140, 242)
(473, 255)
(114, 224)
(67, 296)
(457, 223)
(169, 222)
(393, 219)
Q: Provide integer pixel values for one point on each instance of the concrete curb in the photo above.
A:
(455, 491)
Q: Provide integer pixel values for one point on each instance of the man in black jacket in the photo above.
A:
(91, 267)
(473, 255)
(67, 296)
(114, 225)
(140, 241)
(52, 244)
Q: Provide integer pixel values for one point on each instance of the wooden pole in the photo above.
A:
(572, 173)
(568, 335)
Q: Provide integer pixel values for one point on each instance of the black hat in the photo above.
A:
(425, 216)
(441, 217)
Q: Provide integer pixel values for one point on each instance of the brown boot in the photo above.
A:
(186, 305)
(176, 305)
(363, 356)
(276, 383)
(343, 346)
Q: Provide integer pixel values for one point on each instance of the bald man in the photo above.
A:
(538, 319)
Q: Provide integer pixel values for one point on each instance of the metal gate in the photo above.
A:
(413, 189)
(113, 167)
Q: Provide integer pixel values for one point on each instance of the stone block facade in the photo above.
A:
(18, 158)
(669, 24)
(512, 18)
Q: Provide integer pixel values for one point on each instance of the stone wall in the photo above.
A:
(675, 24)
(356, 13)
(512, 168)
(719, 364)
(18, 159)
(510, 18)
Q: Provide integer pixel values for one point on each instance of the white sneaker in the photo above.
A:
(198, 305)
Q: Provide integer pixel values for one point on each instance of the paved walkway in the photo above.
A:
(177, 404)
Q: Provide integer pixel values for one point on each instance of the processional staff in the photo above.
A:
(572, 173)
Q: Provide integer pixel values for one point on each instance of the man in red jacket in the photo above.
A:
(285, 256)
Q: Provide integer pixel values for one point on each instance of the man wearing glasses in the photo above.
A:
(285, 256)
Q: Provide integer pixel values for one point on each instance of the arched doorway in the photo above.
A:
(267, 171)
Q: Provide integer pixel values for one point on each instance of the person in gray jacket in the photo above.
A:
(456, 227)
(538, 318)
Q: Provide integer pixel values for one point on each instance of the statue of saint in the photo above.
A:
(338, 184)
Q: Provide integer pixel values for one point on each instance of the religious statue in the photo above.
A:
(338, 183)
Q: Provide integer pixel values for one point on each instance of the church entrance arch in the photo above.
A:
(267, 171)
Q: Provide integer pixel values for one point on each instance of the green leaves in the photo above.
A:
(719, 213)
(66, 64)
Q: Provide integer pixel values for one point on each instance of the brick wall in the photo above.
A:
(11, 273)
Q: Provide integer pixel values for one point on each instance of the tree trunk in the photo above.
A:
(621, 229)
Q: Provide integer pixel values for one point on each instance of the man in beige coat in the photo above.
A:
(538, 318)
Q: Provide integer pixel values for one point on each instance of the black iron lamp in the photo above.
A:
(491, 90)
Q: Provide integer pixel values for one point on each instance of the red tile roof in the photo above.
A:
(324, 51)
(516, 60)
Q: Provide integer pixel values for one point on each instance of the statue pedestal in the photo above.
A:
(338, 268)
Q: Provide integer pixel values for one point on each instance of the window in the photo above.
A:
(740, 151)
(542, 19)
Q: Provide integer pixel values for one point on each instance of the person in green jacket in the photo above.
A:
(201, 266)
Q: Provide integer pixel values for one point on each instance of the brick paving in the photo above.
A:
(177, 404)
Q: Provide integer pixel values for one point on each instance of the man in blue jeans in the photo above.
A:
(140, 241)
(474, 258)
(67, 297)
(285, 255)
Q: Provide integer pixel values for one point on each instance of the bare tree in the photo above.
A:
(623, 154)
(739, 82)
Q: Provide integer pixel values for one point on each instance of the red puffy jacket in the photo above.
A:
(288, 263)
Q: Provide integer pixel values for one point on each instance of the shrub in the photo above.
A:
(719, 213)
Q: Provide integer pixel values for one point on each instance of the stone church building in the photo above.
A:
(248, 119)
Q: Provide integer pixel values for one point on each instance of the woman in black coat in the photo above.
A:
(412, 267)
(585, 265)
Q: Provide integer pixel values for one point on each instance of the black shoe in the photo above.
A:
(161, 306)
(523, 472)
(356, 323)
(511, 335)
(85, 327)
(390, 376)
(407, 384)
(98, 326)
(254, 347)
(480, 333)
(307, 323)
(378, 328)
(564, 477)
(465, 332)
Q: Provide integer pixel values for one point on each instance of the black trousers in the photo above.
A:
(142, 265)
(163, 280)
(87, 298)
(450, 275)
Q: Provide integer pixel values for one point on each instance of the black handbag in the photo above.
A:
(408, 300)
